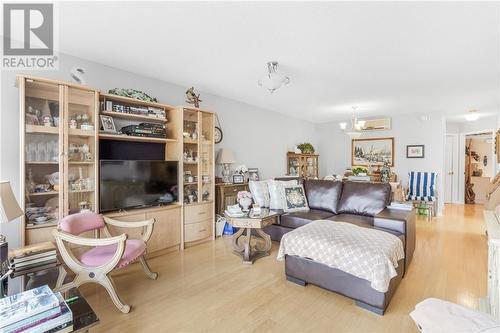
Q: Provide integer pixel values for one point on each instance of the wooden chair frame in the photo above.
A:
(100, 274)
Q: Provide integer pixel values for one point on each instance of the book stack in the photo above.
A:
(400, 206)
(37, 310)
(33, 258)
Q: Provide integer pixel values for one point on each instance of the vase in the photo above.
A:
(245, 203)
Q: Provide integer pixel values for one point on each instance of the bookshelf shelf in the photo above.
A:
(132, 116)
(109, 136)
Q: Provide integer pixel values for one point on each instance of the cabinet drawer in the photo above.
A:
(197, 231)
(233, 190)
(197, 213)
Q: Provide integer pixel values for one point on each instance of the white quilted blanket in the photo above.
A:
(369, 254)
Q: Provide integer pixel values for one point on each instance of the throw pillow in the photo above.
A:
(276, 193)
(260, 192)
(295, 199)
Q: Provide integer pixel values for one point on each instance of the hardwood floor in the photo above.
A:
(206, 288)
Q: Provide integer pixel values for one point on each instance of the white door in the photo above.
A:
(450, 186)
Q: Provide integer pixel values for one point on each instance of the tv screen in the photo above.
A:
(134, 184)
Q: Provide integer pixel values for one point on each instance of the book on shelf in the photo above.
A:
(34, 262)
(401, 206)
(31, 250)
(32, 269)
(18, 260)
(26, 304)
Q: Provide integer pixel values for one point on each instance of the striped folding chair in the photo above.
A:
(422, 191)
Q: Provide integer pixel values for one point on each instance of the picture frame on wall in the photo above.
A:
(415, 151)
(374, 151)
(108, 125)
(253, 174)
(238, 179)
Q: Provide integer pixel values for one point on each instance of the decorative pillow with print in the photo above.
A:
(295, 199)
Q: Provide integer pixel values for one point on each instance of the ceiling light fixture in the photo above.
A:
(356, 125)
(273, 80)
(472, 115)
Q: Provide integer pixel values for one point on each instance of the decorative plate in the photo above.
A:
(218, 134)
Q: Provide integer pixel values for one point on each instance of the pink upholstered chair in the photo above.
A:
(106, 254)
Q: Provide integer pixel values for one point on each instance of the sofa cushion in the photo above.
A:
(359, 220)
(260, 192)
(323, 194)
(276, 192)
(298, 219)
(364, 198)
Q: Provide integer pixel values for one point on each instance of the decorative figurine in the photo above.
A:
(192, 98)
(385, 173)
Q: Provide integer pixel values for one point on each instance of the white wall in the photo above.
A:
(259, 138)
(335, 147)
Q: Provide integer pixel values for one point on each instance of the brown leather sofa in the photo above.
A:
(363, 204)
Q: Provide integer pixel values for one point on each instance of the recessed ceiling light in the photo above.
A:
(472, 115)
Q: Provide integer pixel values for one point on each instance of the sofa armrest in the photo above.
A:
(402, 221)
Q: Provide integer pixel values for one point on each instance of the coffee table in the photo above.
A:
(84, 317)
(252, 225)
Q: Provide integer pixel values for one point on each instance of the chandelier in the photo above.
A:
(273, 80)
(354, 132)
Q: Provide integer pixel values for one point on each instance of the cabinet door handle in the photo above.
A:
(202, 230)
(202, 213)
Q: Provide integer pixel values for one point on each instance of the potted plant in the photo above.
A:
(306, 148)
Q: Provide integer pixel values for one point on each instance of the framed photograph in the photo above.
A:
(415, 151)
(108, 125)
(238, 179)
(253, 174)
(372, 151)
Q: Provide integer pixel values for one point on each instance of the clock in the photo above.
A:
(218, 134)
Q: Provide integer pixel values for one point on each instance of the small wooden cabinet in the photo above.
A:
(226, 195)
(302, 165)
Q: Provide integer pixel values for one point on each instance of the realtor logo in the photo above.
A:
(28, 36)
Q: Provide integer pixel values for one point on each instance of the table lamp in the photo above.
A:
(226, 158)
(9, 210)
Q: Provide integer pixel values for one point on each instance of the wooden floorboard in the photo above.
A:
(207, 289)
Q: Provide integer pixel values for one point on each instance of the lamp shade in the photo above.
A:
(9, 208)
(225, 156)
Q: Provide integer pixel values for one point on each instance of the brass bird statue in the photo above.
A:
(192, 98)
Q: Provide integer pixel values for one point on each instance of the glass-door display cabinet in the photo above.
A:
(58, 158)
(302, 165)
(198, 168)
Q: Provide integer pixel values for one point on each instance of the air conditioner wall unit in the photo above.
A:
(376, 124)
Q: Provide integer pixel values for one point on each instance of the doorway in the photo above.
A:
(479, 166)
(451, 169)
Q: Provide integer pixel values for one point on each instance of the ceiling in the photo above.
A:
(387, 58)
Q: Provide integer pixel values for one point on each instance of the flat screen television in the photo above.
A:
(134, 184)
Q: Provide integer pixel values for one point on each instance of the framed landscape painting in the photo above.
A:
(372, 151)
(415, 151)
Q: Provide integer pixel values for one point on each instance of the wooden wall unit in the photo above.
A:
(176, 224)
(51, 149)
(198, 162)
